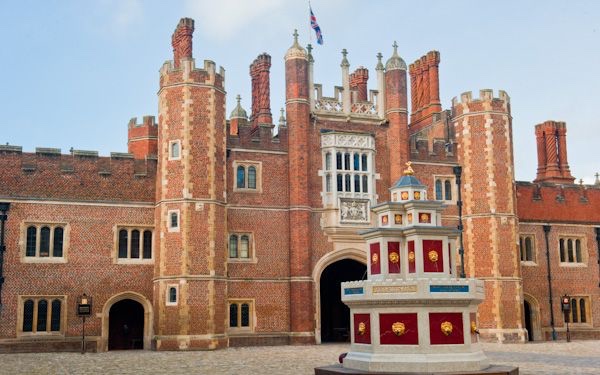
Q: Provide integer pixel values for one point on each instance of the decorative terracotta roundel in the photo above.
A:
(433, 255)
(404, 195)
(446, 328)
(417, 195)
(362, 328)
(411, 256)
(374, 258)
(394, 257)
(398, 328)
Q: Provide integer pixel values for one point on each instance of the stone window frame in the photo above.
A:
(251, 315)
(168, 301)
(129, 227)
(251, 247)
(588, 311)
(451, 179)
(246, 164)
(352, 147)
(170, 227)
(171, 144)
(522, 250)
(36, 299)
(52, 225)
(583, 250)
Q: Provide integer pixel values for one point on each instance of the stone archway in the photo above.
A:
(131, 298)
(329, 272)
(531, 318)
(126, 325)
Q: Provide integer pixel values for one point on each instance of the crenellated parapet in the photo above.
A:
(262, 137)
(142, 137)
(435, 142)
(79, 175)
(486, 101)
(551, 202)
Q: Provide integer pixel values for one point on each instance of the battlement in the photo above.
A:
(259, 137)
(142, 138)
(547, 202)
(147, 121)
(485, 95)
(170, 74)
(80, 175)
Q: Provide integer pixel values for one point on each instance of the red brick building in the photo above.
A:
(213, 232)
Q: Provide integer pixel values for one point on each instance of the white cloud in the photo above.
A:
(229, 17)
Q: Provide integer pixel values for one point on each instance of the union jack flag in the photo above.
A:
(315, 26)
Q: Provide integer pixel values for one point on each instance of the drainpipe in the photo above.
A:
(598, 245)
(546, 233)
(4, 206)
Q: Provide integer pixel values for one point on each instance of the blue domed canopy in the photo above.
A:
(408, 180)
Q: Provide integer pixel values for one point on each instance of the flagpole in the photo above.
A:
(309, 27)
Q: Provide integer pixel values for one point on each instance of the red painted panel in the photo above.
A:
(394, 257)
(437, 337)
(411, 258)
(375, 259)
(411, 329)
(365, 336)
(433, 256)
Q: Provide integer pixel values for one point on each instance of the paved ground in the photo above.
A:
(581, 357)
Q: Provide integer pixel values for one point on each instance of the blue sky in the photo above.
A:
(75, 72)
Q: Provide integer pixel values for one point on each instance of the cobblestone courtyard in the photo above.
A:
(581, 357)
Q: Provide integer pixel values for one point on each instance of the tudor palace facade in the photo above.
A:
(214, 231)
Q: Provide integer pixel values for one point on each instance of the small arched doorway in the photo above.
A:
(126, 325)
(528, 319)
(335, 315)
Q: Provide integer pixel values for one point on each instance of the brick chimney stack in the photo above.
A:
(261, 96)
(551, 139)
(358, 82)
(182, 41)
(425, 86)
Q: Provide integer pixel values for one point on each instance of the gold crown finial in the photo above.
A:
(408, 171)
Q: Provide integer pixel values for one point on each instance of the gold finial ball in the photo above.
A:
(394, 257)
(446, 328)
(362, 328)
(398, 328)
(433, 255)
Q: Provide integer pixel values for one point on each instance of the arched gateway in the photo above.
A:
(126, 325)
(334, 315)
(126, 322)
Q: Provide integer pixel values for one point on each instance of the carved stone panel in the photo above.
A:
(354, 211)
